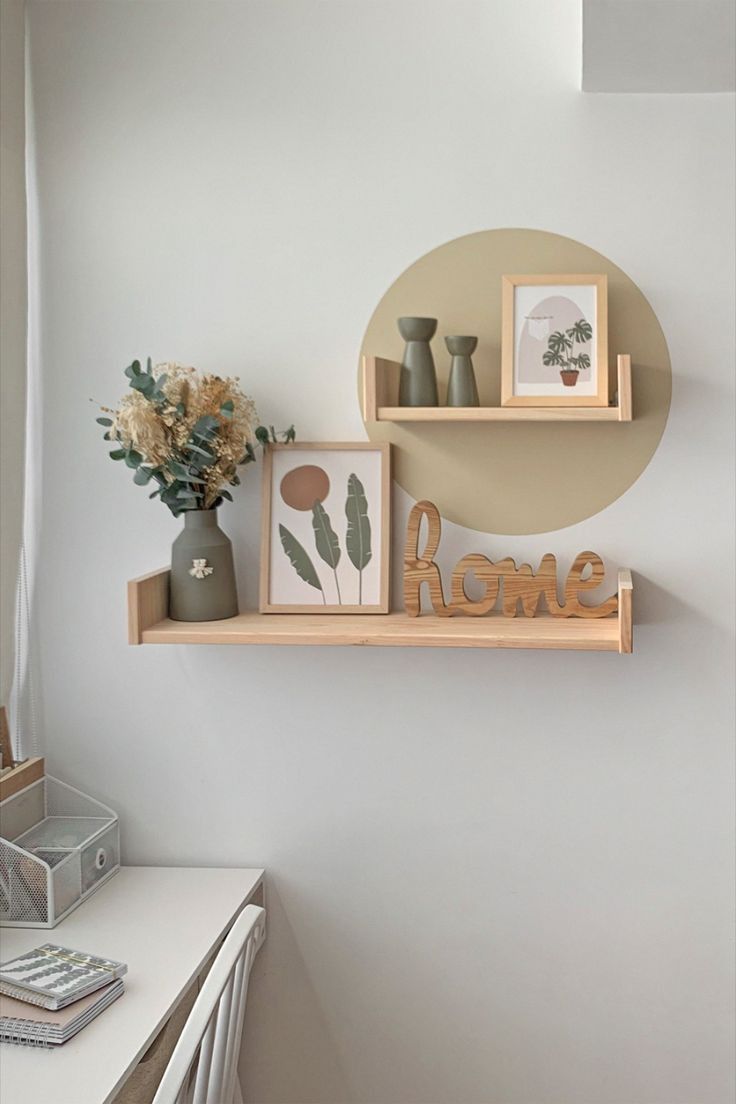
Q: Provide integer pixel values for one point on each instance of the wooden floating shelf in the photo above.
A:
(381, 391)
(148, 624)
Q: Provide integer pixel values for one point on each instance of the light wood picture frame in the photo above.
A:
(554, 340)
(326, 528)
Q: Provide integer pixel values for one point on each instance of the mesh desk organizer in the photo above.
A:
(56, 847)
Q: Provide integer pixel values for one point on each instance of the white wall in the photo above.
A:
(493, 877)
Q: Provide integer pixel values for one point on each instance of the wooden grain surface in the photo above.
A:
(6, 747)
(148, 602)
(625, 612)
(394, 630)
(523, 586)
(380, 398)
(22, 775)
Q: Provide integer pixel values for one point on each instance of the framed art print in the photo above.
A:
(554, 342)
(326, 528)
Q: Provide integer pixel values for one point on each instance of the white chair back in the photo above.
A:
(203, 1068)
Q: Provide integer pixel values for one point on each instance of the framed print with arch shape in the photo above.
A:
(326, 528)
(554, 341)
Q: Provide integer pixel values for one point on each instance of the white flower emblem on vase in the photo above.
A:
(200, 569)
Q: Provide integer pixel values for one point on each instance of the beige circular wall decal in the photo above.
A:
(518, 477)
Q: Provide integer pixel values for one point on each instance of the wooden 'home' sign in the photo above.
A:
(521, 585)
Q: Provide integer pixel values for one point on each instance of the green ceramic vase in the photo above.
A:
(418, 379)
(462, 389)
(202, 585)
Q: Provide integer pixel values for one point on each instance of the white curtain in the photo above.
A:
(17, 400)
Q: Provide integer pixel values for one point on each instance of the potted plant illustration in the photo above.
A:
(561, 349)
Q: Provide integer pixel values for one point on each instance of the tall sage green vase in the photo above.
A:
(202, 583)
(418, 379)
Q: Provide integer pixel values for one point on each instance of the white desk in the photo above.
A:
(164, 922)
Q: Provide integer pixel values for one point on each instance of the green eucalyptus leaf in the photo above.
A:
(262, 435)
(227, 409)
(144, 384)
(117, 454)
(208, 456)
(142, 476)
(202, 439)
(227, 495)
(205, 424)
(104, 421)
(133, 459)
(181, 471)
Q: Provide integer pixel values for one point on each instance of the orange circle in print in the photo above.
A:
(305, 485)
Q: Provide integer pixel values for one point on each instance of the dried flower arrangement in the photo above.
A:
(186, 431)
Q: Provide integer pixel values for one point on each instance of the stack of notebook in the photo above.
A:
(68, 989)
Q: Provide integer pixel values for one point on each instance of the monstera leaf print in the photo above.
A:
(581, 332)
(551, 358)
(559, 343)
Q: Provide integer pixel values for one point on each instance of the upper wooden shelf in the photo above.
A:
(381, 392)
(148, 624)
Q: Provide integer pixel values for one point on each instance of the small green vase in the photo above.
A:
(418, 379)
(462, 389)
(202, 583)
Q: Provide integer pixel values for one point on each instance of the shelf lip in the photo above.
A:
(394, 630)
(148, 624)
(499, 414)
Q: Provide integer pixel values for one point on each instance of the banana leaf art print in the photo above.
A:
(554, 341)
(326, 528)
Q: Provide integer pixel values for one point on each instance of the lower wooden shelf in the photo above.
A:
(148, 624)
